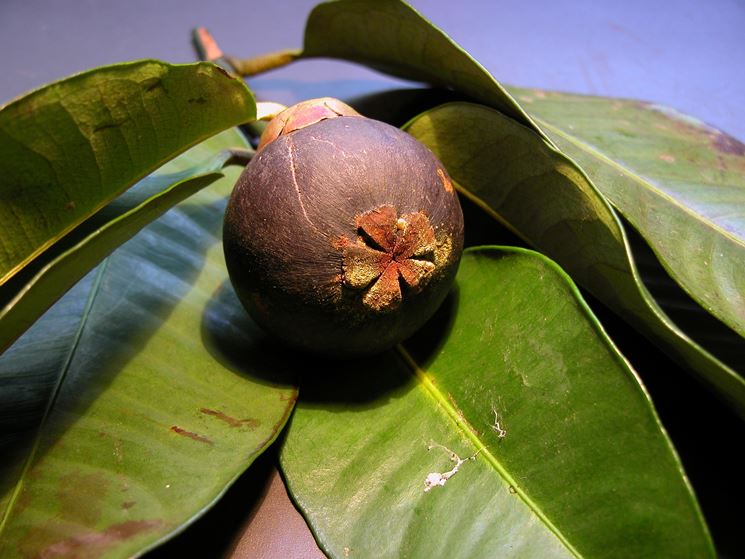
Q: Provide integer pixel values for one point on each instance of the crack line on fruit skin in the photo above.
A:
(427, 384)
(291, 149)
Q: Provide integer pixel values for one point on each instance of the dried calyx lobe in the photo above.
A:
(343, 236)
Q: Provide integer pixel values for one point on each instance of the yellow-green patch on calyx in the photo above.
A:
(388, 250)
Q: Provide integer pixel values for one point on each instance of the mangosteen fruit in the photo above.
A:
(343, 234)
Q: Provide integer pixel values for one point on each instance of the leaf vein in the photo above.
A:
(428, 386)
(55, 394)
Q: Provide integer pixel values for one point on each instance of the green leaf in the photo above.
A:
(69, 148)
(393, 37)
(680, 183)
(127, 410)
(67, 268)
(545, 198)
(583, 469)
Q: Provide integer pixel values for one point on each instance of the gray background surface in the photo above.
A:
(688, 54)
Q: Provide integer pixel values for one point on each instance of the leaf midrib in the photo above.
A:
(431, 389)
(649, 304)
(65, 368)
(584, 146)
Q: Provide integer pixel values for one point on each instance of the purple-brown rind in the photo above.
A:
(295, 215)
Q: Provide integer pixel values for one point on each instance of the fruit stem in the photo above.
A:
(208, 49)
(253, 66)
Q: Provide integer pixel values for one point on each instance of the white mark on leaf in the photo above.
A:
(498, 425)
(435, 479)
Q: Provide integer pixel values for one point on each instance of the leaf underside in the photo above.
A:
(154, 390)
(69, 148)
(392, 37)
(69, 265)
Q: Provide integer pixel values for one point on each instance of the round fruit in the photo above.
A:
(342, 236)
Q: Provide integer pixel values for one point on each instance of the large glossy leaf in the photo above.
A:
(69, 148)
(135, 401)
(679, 181)
(513, 174)
(569, 458)
(393, 37)
(54, 278)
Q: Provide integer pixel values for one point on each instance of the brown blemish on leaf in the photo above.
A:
(250, 422)
(25, 498)
(225, 73)
(80, 496)
(446, 184)
(151, 84)
(126, 505)
(281, 421)
(287, 397)
(389, 249)
(91, 544)
(70, 205)
(727, 144)
(666, 157)
(183, 432)
(106, 126)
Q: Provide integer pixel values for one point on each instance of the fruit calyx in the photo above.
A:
(302, 115)
(388, 250)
